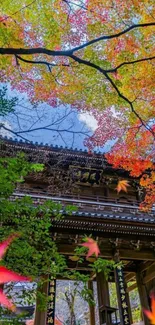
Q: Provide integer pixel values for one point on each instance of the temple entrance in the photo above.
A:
(124, 233)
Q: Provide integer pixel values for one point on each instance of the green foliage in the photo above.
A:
(13, 171)
(6, 105)
(102, 265)
(33, 253)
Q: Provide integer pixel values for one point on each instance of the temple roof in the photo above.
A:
(81, 157)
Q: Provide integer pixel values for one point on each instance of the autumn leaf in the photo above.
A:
(92, 245)
(151, 314)
(57, 322)
(6, 302)
(122, 186)
(5, 244)
(8, 275)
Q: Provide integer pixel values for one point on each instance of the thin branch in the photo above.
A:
(59, 131)
(13, 132)
(130, 104)
(48, 64)
(130, 62)
(16, 12)
(104, 72)
(53, 130)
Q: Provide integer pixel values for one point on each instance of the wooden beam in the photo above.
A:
(132, 287)
(150, 273)
(129, 276)
(126, 254)
(149, 277)
(144, 266)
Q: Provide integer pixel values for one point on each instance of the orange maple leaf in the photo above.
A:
(8, 275)
(57, 322)
(92, 245)
(151, 314)
(122, 186)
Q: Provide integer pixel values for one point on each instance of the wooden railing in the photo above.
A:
(89, 204)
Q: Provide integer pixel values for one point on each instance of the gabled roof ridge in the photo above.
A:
(50, 146)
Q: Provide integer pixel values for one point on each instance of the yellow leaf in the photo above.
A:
(122, 186)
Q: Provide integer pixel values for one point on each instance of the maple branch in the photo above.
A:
(18, 133)
(107, 37)
(70, 53)
(42, 50)
(104, 72)
(131, 105)
(130, 62)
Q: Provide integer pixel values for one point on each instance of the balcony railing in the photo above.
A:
(90, 205)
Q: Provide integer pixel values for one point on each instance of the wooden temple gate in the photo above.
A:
(124, 233)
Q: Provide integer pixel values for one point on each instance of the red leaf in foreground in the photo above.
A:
(151, 314)
(6, 302)
(91, 244)
(5, 244)
(10, 276)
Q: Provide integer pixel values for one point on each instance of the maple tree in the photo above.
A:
(94, 57)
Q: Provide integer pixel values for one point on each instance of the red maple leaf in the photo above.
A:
(151, 314)
(8, 275)
(5, 244)
(92, 245)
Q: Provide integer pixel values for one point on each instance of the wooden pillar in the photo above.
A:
(123, 301)
(91, 307)
(143, 296)
(102, 291)
(40, 315)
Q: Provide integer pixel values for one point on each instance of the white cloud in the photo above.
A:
(89, 120)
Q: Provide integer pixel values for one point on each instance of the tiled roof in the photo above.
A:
(46, 145)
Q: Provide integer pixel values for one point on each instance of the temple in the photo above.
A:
(124, 233)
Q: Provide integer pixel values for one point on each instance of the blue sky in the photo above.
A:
(76, 125)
